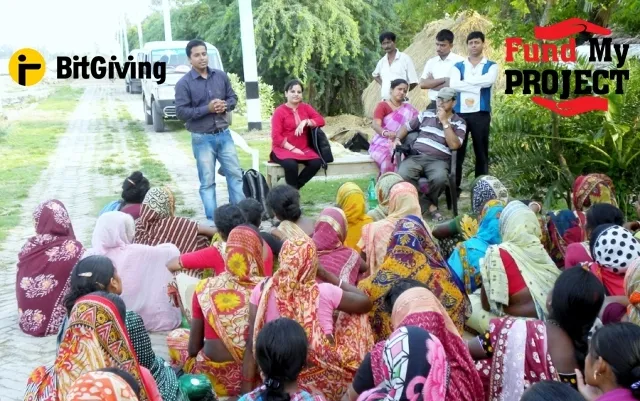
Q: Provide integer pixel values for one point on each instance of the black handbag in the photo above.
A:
(319, 142)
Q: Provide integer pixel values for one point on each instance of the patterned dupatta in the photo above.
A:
(224, 299)
(351, 200)
(413, 254)
(419, 307)
(291, 230)
(44, 268)
(403, 202)
(520, 231)
(159, 225)
(330, 367)
(393, 121)
(96, 338)
(415, 367)
(591, 189)
(383, 190)
(330, 232)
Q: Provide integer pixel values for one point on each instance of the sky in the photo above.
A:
(66, 25)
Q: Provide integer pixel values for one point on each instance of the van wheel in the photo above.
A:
(157, 117)
(147, 117)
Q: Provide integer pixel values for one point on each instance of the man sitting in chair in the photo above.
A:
(438, 134)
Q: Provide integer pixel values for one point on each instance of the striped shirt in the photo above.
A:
(431, 139)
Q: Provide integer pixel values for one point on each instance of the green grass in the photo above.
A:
(25, 146)
(317, 195)
(153, 169)
(101, 201)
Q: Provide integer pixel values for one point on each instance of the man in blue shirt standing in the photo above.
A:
(204, 97)
(473, 79)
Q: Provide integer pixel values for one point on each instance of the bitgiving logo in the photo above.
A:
(27, 67)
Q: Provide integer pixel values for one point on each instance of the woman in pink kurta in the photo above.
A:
(291, 127)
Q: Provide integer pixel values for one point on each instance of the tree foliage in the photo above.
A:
(331, 45)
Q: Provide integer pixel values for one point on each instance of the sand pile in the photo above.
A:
(423, 47)
(341, 128)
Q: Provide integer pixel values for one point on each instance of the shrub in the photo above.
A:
(266, 97)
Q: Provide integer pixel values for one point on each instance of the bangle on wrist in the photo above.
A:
(340, 284)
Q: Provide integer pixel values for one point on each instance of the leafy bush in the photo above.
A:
(539, 154)
(266, 97)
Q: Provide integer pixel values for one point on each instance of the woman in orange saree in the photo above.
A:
(216, 343)
(96, 337)
(333, 357)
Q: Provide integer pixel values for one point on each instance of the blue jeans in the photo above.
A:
(207, 148)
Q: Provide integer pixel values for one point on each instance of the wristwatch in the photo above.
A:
(446, 126)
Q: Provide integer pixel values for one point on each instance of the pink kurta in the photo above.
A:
(284, 122)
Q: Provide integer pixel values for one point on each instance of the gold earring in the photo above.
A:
(595, 376)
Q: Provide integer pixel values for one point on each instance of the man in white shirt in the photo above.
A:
(473, 79)
(394, 65)
(437, 70)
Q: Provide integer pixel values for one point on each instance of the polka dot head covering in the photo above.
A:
(614, 248)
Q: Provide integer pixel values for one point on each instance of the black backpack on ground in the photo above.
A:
(254, 185)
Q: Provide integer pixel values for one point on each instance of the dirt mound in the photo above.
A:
(423, 47)
(341, 128)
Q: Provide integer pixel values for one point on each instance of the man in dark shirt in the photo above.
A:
(439, 133)
(204, 97)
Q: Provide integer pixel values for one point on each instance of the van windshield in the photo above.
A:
(178, 57)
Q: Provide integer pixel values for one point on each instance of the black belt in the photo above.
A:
(217, 131)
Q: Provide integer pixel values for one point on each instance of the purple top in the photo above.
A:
(620, 394)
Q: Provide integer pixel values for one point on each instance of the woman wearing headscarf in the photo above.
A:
(598, 214)
(95, 274)
(159, 225)
(515, 353)
(613, 249)
(351, 200)
(465, 226)
(44, 267)
(337, 259)
(412, 254)
(417, 306)
(414, 366)
(383, 188)
(403, 202)
(141, 268)
(518, 274)
(567, 227)
(335, 349)
(85, 348)
(216, 343)
(465, 259)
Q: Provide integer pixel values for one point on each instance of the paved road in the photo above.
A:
(72, 177)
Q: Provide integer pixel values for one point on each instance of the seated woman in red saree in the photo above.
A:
(337, 259)
(335, 349)
(388, 117)
(417, 306)
(215, 345)
(44, 267)
(614, 249)
(291, 124)
(516, 353)
(84, 348)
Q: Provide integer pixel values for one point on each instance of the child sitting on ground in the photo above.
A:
(281, 353)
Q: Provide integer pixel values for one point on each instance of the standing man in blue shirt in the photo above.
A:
(473, 78)
(204, 98)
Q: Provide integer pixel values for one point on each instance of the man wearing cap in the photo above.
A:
(440, 132)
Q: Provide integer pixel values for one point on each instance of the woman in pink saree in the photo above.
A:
(388, 117)
(328, 235)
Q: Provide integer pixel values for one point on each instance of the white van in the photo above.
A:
(159, 101)
(134, 85)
